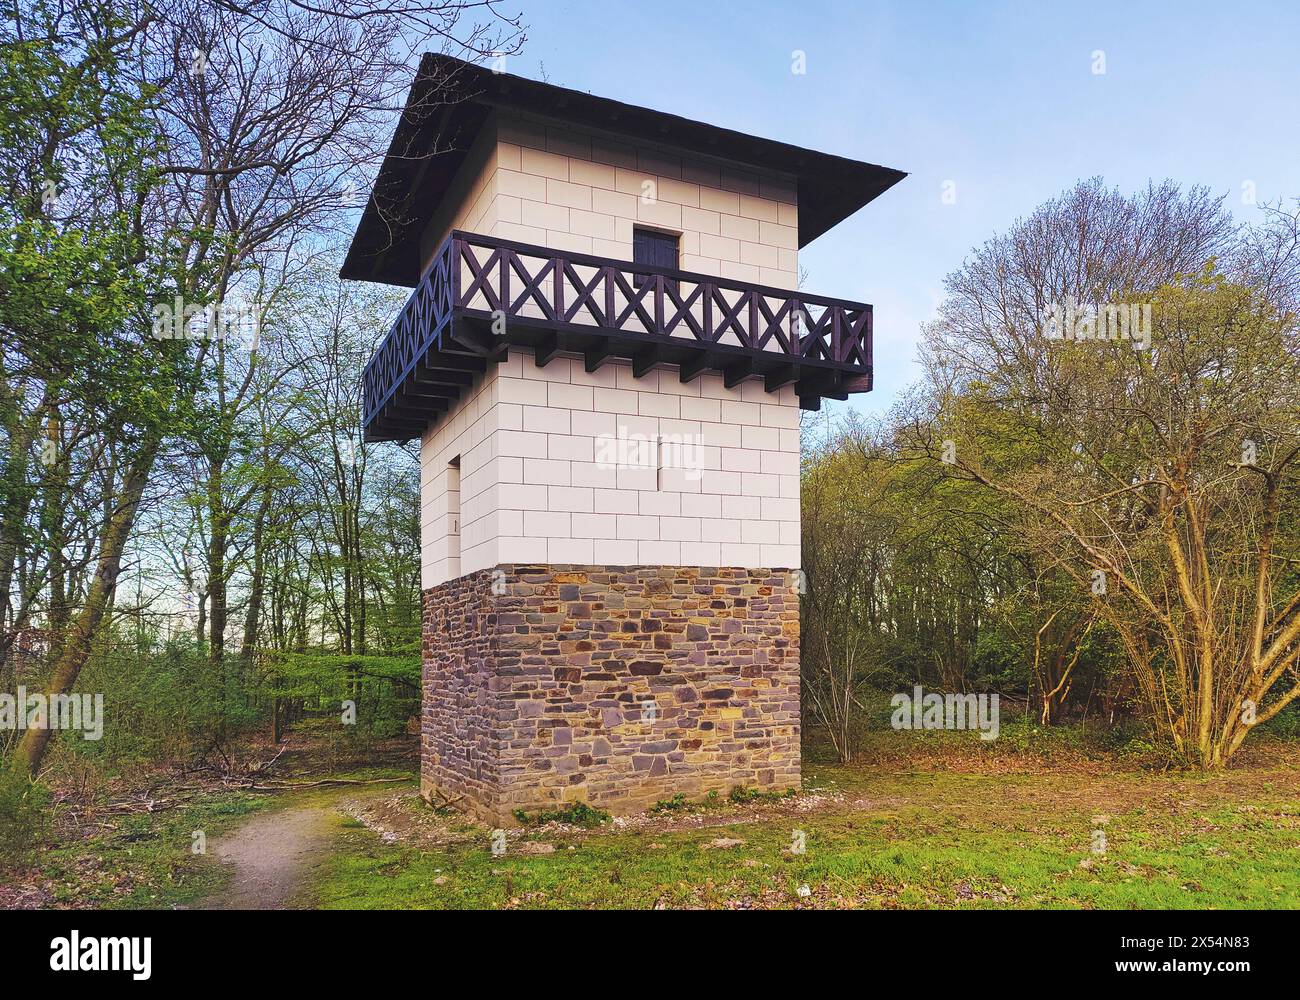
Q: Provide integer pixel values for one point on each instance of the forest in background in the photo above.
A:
(1100, 521)
(190, 524)
(192, 527)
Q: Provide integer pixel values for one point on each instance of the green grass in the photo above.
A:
(148, 861)
(900, 840)
(576, 814)
(925, 820)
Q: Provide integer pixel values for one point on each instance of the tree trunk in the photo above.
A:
(76, 649)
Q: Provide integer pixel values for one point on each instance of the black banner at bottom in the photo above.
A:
(143, 949)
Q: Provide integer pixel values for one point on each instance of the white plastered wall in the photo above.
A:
(537, 483)
(533, 486)
(584, 193)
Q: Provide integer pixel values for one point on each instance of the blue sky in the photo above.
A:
(999, 98)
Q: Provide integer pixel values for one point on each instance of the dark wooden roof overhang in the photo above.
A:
(449, 103)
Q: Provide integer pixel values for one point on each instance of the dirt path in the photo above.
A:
(271, 855)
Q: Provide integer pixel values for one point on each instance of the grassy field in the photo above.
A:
(1039, 819)
(148, 861)
(1000, 833)
(129, 843)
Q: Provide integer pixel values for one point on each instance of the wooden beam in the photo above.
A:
(818, 382)
(594, 359)
(418, 390)
(546, 349)
(737, 373)
(780, 377)
(646, 362)
(474, 340)
(390, 418)
(834, 388)
(691, 369)
(436, 360)
(810, 403)
(444, 377)
(428, 400)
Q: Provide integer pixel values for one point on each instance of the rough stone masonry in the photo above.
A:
(614, 686)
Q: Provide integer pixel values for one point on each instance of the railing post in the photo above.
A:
(558, 278)
(868, 337)
(503, 282)
(453, 276)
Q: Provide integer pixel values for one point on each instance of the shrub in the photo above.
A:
(740, 795)
(1286, 723)
(22, 816)
(577, 814)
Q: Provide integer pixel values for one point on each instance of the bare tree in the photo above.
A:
(1159, 479)
(264, 117)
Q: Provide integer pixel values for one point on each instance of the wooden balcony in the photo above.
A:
(481, 296)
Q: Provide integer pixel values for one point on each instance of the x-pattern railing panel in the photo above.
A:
(418, 327)
(481, 276)
(662, 301)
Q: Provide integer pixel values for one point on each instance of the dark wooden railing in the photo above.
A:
(482, 294)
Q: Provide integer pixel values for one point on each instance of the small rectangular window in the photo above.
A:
(453, 517)
(650, 246)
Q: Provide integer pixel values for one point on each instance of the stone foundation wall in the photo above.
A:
(461, 735)
(615, 686)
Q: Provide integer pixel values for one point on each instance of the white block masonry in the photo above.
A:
(558, 465)
(566, 189)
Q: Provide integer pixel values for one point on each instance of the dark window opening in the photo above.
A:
(649, 246)
(453, 517)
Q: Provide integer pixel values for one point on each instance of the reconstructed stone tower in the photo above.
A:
(604, 359)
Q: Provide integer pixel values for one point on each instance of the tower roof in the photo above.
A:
(451, 100)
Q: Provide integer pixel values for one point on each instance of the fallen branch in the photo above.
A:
(445, 801)
(325, 781)
(267, 765)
